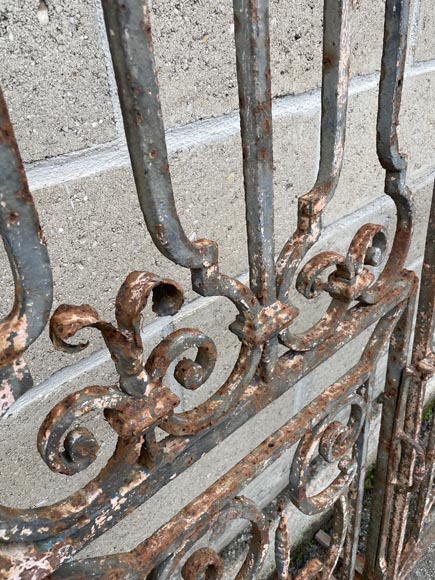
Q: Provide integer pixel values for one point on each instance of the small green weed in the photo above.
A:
(429, 411)
(369, 481)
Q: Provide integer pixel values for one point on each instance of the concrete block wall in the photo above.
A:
(59, 85)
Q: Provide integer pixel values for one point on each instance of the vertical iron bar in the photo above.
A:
(424, 363)
(404, 418)
(335, 84)
(391, 85)
(375, 563)
(404, 477)
(356, 490)
(251, 19)
(425, 322)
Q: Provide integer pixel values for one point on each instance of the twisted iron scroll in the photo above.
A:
(39, 543)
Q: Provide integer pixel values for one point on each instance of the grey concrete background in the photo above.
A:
(58, 81)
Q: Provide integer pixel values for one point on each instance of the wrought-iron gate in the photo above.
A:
(41, 542)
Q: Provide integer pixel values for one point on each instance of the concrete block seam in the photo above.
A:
(114, 155)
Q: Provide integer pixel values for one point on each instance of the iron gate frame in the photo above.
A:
(39, 543)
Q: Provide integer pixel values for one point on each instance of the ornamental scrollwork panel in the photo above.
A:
(368, 288)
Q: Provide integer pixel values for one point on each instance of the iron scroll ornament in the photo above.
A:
(41, 542)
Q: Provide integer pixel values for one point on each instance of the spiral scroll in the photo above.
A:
(348, 282)
(334, 441)
(207, 564)
(125, 342)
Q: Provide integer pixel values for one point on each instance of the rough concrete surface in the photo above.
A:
(202, 82)
(425, 42)
(417, 124)
(425, 570)
(54, 76)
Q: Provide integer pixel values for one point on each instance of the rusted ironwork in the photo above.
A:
(28, 258)
(41, 542)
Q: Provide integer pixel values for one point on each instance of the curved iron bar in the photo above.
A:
(146, 404)
(124, 343)
(137, 564)
(28, 259)
(129, 34)
(314, 568)
(196, 567)
(221, 402)
(130, 38)
(140, 379)
(390, 157)
(335, 84)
